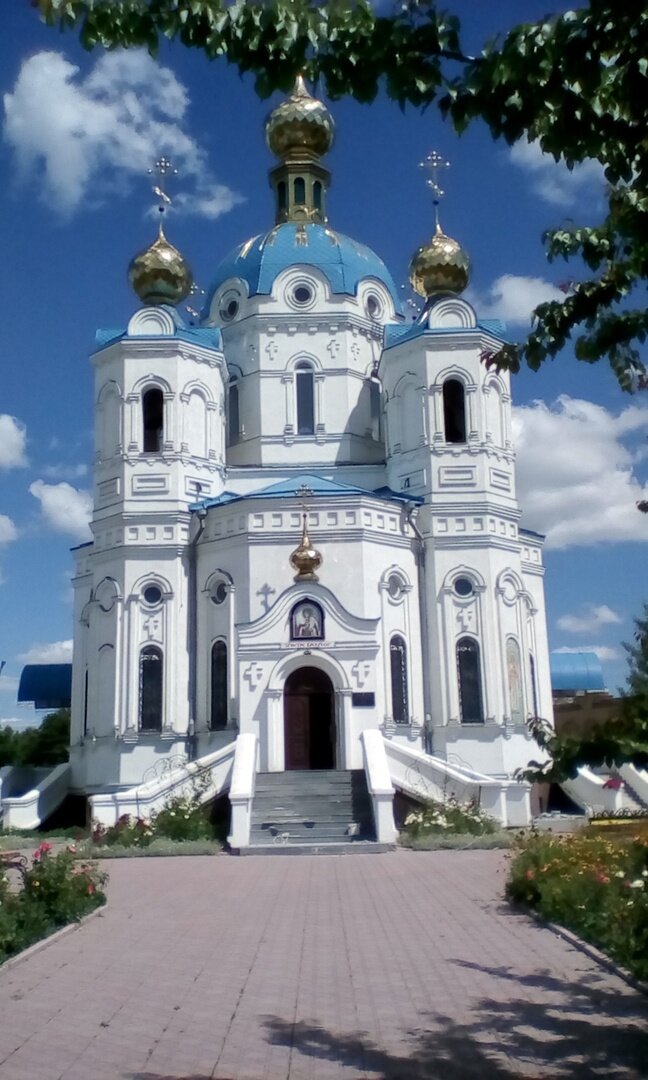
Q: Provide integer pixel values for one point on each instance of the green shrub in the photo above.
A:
(55, 890)
(181, 818)
(438, 818)
(595, 886)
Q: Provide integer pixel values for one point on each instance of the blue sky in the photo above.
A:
(78, 134)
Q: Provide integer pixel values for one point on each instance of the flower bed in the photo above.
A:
(594, 885)
(54, 891)
(438, 819)
(182, 819)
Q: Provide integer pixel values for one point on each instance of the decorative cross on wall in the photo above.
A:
(265, 592)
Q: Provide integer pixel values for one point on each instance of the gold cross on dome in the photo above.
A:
(163, 167)
(433, 164)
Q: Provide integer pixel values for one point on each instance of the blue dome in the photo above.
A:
(571, 672)
(344, 262)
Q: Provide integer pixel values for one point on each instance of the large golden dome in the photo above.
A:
(439, 267)
(160, 275)
(300, 123)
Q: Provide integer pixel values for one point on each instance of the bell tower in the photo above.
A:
(159, 448)
(299, 132)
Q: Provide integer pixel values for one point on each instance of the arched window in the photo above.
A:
(469, 677)
(233, 418)
(399, 689)
(281, 195)
(153, 417)
(317, 195)
(300, 191)
(150, 689)
(514, 673)
(534, 684)
(219, 689)
(304, 386)
(454, 411)
(375, 406)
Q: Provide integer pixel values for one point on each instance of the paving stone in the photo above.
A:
(406, 965)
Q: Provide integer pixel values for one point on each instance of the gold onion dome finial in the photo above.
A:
(300, 123)
(160, 275)
(440, 267)
(305, 559)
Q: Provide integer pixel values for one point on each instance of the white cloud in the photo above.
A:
(604, 652)
(52, 652)
(576, 474)
(80, 136)
(13, 437)
(70, 472)
(65, 508)
(8, 684)
(593, 618)
(513, 298)
(20, 723)
(8, 531)
(552, 180)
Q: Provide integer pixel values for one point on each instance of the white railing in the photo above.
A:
(29, 810)
(637, 779)
(379, 784)
(423, 776)
(210, 775)
(589, 791)
(242, 790)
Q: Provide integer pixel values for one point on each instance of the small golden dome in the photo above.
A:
(160, 275)
(440, 266)
(305, 559)
(300, 123)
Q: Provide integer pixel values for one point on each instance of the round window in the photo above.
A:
(152, 594)
(229, 307)
(395, 586)
(219, 593)
(373, 306)
(302, 294)
(463, 586)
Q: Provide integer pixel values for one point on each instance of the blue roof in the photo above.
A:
(207, 336)
(316, 485)
(395, 334)
(259, 261)
(575, 671)
(49, 686)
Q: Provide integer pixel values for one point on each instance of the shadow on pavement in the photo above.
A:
(576, 1031)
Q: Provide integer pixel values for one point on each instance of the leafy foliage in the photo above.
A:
(44, 745)
(437, 818)
(56, 890)
(594, 886)
(611, 743)
(576, 82)
(181, 818)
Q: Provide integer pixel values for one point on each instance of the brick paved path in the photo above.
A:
(406, 965)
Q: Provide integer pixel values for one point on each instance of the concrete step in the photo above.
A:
(357, 847)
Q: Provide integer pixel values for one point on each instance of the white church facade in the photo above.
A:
(305, 524)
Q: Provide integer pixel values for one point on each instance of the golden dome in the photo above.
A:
(300, 123)
(160, 275)
(440, 266)
(305, 559)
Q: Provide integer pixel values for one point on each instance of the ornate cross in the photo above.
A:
(163, 168)
(265, 592)
(433, 164)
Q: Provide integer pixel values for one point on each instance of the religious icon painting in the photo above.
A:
(307, 621)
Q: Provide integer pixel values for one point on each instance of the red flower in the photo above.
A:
(529, 875)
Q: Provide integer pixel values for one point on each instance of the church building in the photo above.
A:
(306, 534)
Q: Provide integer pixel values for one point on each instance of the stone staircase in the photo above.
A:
(313, 811)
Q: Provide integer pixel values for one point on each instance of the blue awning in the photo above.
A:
(49, 686)
(576, 671)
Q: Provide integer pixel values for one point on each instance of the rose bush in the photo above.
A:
(54, 891)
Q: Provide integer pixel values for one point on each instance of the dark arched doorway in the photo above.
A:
(309, 722)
